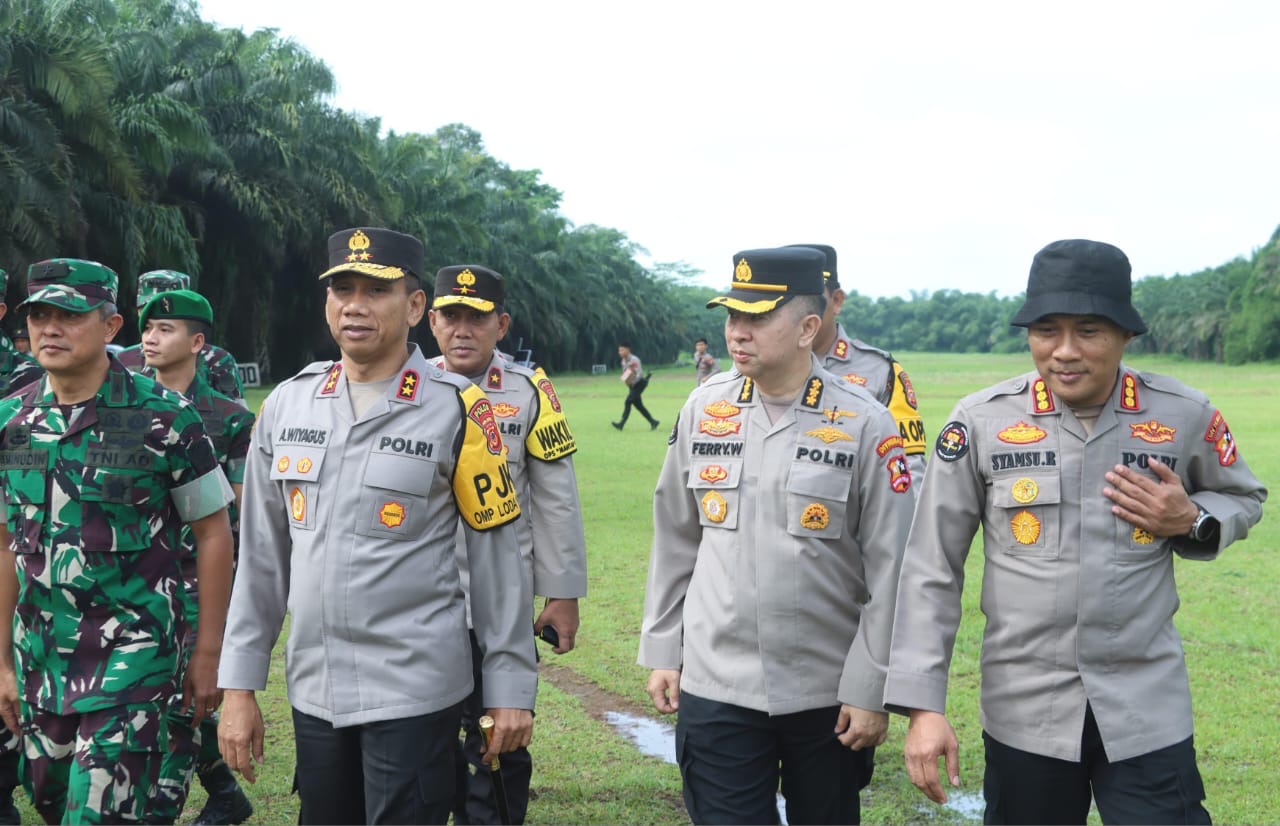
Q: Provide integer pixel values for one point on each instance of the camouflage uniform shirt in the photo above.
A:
(216, 367)
(96, 496)
(17, 370)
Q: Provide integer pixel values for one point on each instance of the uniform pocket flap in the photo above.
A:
(819, 481)
(399, 473)
(297, 462)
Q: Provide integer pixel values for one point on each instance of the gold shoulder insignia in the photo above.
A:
(813, 395)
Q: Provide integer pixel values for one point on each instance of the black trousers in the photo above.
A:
(1162, 786)
(473, 792)
(633, 400)
(732, 759)
(394, 771)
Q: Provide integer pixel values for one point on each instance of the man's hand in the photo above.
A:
(664, 689)
(9, 706)
(930, 736)
(200, 693)
(240, 732)
(859, 729)
(1161, 507)
(512, 729)
(562, 615)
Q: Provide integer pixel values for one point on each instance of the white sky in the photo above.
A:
(936, 145)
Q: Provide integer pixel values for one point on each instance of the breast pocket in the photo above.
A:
(817, 500)
(25, 507)
(1025, 514)
(716, 486)
(393, 497)
(116, 508)
(297, 469)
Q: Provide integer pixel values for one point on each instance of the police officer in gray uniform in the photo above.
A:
(468, 319)
(1086, 476)
(779, 521)
(859, 363)
(357, 474)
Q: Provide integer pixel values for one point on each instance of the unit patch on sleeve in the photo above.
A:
(1219, 435)
(544, 384)
(1152, 431)
(907, 390)
(888, 445)
(953, 442)
(550, 437)
(675, 432)
(899, 474)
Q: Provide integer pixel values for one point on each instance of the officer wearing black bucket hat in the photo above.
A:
(1087, 476)
(779, 521)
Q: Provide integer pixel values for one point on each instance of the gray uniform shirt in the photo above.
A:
(540, 450)
(349, 525)
(859, 363)
(777, 546)
(1079, 604)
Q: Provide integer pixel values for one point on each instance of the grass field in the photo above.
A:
(588, 774)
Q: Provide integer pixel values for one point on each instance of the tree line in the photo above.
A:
(135, 133)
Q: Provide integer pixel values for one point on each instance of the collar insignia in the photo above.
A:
(408, 386)
(1129, 392)
(1042, 399)
(1021, 434)
(842, 350)
(331, 382)
(748, 392)
(495, 378)
(813, 395)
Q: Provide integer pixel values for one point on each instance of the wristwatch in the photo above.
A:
(1205, 526)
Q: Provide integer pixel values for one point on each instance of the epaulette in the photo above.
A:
(312, 369)
(1167, 384)
(723, 377)
(444, 377)
(1008, 387)
(858, 344)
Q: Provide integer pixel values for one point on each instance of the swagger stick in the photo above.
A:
(495, 772)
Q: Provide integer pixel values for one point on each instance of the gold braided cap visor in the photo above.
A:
(480, 304)
(386, 273)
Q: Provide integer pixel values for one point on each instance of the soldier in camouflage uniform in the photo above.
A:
(215, 366)
(99, 470)
(174, 326)
(468, 319)
(859, 363)
(17, 370)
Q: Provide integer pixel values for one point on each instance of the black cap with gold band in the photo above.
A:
(764, 280)
(470, 285)
(830, 277)
(375, 252)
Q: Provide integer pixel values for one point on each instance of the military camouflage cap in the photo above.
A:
(151, 284)
(184, 304)
(470, 285)
(71, 283)
(375, 252)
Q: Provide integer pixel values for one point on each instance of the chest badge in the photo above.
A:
(1152, 432)
(283, 464)
(718, 427)
(815, 517)
(1026, 528)
(1025, 491)
(829, 434)
(713, 474)
(1141, 537)
(854, 378)
(391, 514)
(297, 505)
(304, 465)
(722, 409)
(1021, 434)
(505, 411)
(715, 507)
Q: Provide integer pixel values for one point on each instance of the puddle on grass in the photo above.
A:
(970, 805)
(656, 739)
(649, 736)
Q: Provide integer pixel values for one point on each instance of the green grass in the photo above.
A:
(587, 774)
